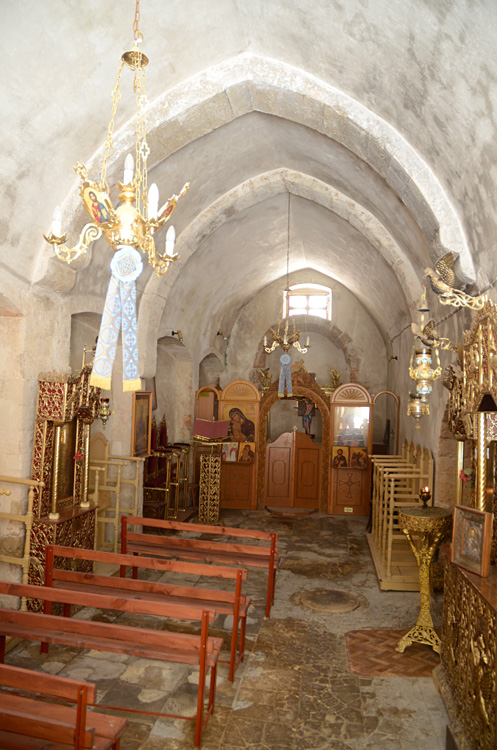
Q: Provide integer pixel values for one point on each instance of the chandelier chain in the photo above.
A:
(109, 147)
(288, 244)
(136, 33)
(142, 148)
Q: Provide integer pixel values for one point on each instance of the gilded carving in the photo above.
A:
(479, 360)
(453, 381)
(469, 651)
(430, 528)
(264, 380)
(61, 399)
(209, 488)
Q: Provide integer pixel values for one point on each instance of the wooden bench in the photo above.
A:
(246, 555)
(25, 716)
(184, 648)
(223, 602)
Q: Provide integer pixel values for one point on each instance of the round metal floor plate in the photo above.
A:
(327, 600)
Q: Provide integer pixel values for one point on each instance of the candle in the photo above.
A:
(170, 239)
(129, 166)
(57, 221)
(153, 200)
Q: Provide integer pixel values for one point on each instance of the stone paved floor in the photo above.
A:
(294, 691)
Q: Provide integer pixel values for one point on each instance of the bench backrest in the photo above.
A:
(102, 601)
(200, 528)
(152, 541)
(47, 684)
(14, 718)
(152, 563)
(73, 579)
(103, 635)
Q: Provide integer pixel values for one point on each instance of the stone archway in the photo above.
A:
(303, 385)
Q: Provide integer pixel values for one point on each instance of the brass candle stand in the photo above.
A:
(430, 524)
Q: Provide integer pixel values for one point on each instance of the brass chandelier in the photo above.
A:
(128, 228)
(282, 337)
(134, 222)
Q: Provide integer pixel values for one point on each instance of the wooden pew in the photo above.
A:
(246, 555)
(26, 716)
(223, 602)
(202, 650)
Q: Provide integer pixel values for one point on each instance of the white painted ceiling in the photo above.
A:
(377, 116)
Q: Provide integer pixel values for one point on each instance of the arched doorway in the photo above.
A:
(386, 423)
(305, 386)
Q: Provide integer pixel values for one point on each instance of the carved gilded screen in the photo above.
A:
(65, 450)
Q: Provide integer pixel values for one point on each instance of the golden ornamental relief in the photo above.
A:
(468, 658)
(479, 359)
(453, 381)
(352, 394)
(51, 401)
(241, 390)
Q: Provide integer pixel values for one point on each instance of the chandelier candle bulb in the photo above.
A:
(57, 221)
(129, 168)
(153, 201)
(170, 240)
(265, 340)
(307, 341)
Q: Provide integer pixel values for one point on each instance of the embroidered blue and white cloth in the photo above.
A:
(119, 314)
(285, 377)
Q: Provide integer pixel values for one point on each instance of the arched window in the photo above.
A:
(307, 299)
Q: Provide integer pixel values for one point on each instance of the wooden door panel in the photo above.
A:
(349, 491)
(278, 475)
(236, 485)
(293, 472)
(307, 477)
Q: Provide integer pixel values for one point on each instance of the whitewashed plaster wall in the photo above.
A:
(210, 369)
(174, 385)
(350, 343)
(34, 338)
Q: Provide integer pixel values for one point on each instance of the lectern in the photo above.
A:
(211, 434)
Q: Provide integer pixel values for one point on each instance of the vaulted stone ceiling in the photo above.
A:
(377, 116)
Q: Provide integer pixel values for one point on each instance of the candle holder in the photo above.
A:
(105, 411)
(424, 495)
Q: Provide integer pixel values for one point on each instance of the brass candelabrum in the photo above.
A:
(286, 340)
(430, 525)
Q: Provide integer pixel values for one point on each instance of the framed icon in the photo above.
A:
(471, 539)
(141, 423)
